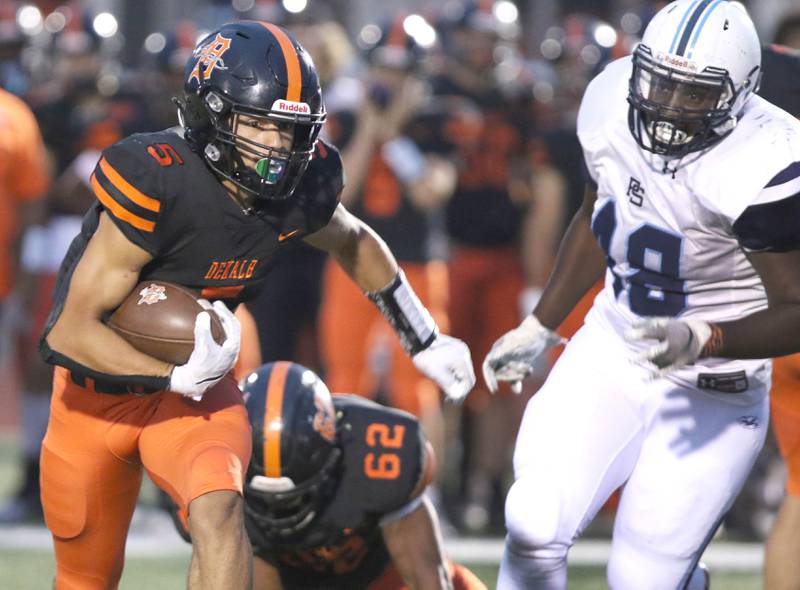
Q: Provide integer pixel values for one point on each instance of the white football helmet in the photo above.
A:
(697, 65)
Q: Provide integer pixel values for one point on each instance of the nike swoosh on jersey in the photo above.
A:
(282, 236)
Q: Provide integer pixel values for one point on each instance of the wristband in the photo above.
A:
(404, 311)
(714, 343)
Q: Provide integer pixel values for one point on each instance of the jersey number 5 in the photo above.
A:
(164, 154)
(658, 292)
(384, 464)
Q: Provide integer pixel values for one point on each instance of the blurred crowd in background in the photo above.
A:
(455, 120)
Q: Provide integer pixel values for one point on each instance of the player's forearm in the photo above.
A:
(94, 345)
(366, 258)
(542, 227)
(415, 545)
(772, 332)
(579, 265)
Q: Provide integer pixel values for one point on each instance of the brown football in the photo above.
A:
(157, 318)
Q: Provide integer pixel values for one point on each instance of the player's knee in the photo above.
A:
(218, 467)
(636, 564)
(532, 517)
(216, 515)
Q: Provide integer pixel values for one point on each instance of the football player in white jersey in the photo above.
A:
(693, 209)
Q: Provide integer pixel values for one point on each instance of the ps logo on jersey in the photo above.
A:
(152, 294)
(635, 192)
(210, 56)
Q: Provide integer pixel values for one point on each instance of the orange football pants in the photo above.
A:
(351, 327)
(785, 410)
(463, 579)
(92, 459)
(485, 284)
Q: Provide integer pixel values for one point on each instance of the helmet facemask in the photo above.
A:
(673, 112)
(268, 173)
(281, 508)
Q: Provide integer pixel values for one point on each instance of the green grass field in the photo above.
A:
(33, 570)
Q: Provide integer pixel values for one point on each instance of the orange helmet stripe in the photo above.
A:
(273, 420)
(292, 61)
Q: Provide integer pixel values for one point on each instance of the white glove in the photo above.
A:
(515, 354)
(447, 361)
(209, 361)
(678, 342)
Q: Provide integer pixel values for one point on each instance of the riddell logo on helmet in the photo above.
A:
(289, 106)
(676, 61)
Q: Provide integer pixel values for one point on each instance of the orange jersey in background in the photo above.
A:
(24, 174)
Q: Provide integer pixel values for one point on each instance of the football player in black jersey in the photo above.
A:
(205, 205)
(334, 491)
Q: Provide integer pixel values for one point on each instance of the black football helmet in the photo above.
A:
(255, 69)
(295, 462)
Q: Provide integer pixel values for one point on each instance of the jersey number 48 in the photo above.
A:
(651, 292)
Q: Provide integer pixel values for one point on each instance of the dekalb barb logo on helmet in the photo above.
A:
(697, 65)
(209, 56)
(231, 88)
(293, 468)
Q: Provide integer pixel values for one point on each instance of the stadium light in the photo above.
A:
(506, 12)
(605, 35)
(417, 27)
(295, 6)
(55, 21)
(370, 34)
(105, 24)
(243, 5)
(155, 42)
(29, 19)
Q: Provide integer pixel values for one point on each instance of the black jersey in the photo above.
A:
(780, 83)
(491, 133)
(383, 201)
(164, 199)
(383, 456)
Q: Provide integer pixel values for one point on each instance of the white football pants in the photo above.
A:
(600, 422)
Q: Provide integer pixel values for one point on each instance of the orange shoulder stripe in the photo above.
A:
(128, 189)
(273, 414)
(119, 211)
(294, 90)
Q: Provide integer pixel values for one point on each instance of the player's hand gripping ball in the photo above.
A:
(158, 319)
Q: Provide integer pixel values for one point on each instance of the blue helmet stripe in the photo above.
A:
(680, 26)
(702, 24)
(687, 32)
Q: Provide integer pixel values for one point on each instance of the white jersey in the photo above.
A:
(675, 240)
